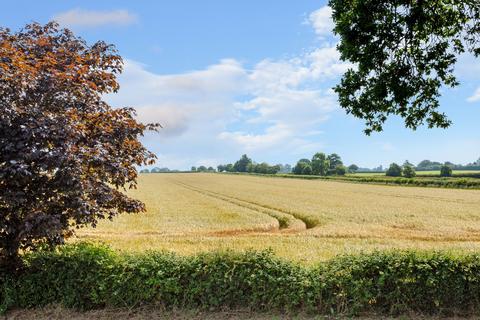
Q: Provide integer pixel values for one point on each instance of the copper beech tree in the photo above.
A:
(66, 156)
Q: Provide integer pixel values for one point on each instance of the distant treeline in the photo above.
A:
(245, 164)
(322, 164)
(427, 165)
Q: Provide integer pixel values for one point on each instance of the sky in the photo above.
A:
(226, 78)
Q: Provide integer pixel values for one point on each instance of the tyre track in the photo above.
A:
(286, 220)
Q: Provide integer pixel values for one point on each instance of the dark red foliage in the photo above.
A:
(66, 156)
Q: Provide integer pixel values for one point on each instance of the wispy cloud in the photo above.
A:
(475, 97)
(91, 18)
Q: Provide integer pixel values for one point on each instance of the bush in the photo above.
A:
(445, 171)
(84, 276)
(394, 170)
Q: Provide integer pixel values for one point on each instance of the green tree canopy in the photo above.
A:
(320, 164)
(409, 171)
(242, 164)
(404, 51)
(445, 171)
(352, 168)
(394, 170)
(300, 166)
(334, 160)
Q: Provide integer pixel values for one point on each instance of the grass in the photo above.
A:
(302, 220)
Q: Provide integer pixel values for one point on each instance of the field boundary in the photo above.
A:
(421, 182)
(85, 276)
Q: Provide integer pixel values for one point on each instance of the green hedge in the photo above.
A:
(85, 276)
(419, 181)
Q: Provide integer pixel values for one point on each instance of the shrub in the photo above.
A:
(85, 276)
(394, 170)
(445, 171)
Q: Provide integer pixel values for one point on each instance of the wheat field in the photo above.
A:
(302, 220)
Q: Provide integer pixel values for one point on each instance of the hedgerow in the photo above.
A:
(85, 276)
(470, 182)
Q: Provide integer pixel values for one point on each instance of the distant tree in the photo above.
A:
(66, 155)
(404, 52)
(274, 169)
(144, 171)
(407, 164)
(229, 168)
(352, 168)
(445, 171)
(307, 169)
(241, 165)
(221, 168)
(340, 170)
(193, 169)
(301, 164)
(428, 165)
(409, 171)
(334, 160)
(210, 169)
(202, 169)
(394, 170)
(320, 164)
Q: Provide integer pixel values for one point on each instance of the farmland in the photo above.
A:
(301, 220)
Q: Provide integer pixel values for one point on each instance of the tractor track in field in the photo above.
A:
(287, 221)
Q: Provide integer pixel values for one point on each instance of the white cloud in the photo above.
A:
(212, 115)
(226, 109)
(475, 97)
(326, 63)
(322, 22)
(90, 18)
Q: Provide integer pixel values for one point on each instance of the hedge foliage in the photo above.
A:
(469, 181)
(85, 276)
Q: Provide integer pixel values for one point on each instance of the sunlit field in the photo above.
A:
(303, 220)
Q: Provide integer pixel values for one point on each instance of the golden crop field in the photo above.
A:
(303, 220)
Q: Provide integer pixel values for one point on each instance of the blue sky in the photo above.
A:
(231, 77)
